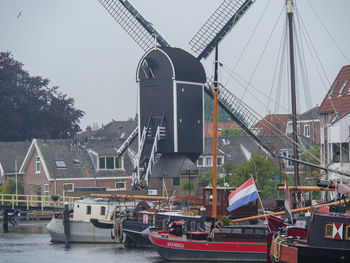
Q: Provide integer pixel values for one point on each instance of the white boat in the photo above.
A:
(92, 221)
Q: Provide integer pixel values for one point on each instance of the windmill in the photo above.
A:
(171, 83)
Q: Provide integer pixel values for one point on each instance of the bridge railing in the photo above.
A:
(27, 201)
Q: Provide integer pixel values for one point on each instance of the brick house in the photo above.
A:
(271, 124)
(51, 165)
(308, 125)
(335, 125)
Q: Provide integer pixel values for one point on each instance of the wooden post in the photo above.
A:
(5, 223)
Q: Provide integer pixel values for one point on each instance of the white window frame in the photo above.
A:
(118, 188)
(222, 160)
(307, 130)
(37, 164)
(72, 184)
(200, 165)
(121, 159)
(207, 159)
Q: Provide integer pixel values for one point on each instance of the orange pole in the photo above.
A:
(215, 134)
(130, 197)
(306, 188)
(299, 210)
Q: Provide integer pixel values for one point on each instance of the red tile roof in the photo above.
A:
(335, 102)
(268, 125)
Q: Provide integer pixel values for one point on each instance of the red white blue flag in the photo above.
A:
(243, 195)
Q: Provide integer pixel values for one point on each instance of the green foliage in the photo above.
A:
(262, 169)
(188, 186)
(55, 197)
(30, 109)
(225, 220)
(9, 187)
(230, 131)
(311, 156)
(209, 109)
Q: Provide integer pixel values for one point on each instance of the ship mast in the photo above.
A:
(293, 93)
(215, 129)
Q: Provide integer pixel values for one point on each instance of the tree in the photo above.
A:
(30, 109)
(9, 187)
(262, 169)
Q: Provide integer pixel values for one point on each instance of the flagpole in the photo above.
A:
(260, 201)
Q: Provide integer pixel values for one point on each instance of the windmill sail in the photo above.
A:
(134, 23)
(218, 25)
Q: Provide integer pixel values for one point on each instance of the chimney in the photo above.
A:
(88, 132)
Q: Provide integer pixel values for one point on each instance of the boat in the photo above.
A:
(90, 221)
(241, 243)
(326, 238)
(136, 227)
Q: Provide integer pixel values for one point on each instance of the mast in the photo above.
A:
(293, 93)
(215, 129)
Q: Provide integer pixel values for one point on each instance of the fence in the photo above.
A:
(28, 201)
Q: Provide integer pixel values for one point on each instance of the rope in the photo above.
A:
(277, 242)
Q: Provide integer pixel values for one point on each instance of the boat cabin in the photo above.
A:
(90, 208)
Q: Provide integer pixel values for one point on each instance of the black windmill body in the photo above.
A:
(170, 102)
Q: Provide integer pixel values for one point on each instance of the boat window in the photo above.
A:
(328, 231)
(347, 233)
(88, 210)
(248, 231)
(103, 210)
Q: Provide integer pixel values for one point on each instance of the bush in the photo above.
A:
(55, 197)
(188, 186)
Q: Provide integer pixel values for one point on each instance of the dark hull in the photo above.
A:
(133, 233)
(306, 254)
(192, 250)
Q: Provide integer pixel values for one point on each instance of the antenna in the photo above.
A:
(218, 25)
(134, 23)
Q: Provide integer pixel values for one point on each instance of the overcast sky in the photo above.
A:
(78, 46)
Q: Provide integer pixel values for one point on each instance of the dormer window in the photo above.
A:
(343, 87)
(109, 163)
(332, 90)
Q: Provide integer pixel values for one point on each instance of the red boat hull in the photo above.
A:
(192, 250)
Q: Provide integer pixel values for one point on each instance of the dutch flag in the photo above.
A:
(243, 195)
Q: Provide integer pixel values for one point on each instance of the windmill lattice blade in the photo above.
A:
(218, 25)
(133, 23)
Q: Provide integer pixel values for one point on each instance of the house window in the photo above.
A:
(332, 89)
(344, 153)
(336, 152)
(209, 161)
(307, 131)
(343, 87)
(200, 161)
(37, 165)
(328, 231)
(68, 187)
(120, 185)
(109, 163)
(219, 160)
(103, 210)
(88, 210)
(46, 192)
(176, 181)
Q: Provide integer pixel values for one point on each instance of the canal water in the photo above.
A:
(30, 243)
